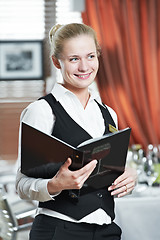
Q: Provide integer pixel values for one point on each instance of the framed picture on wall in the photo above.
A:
(21, 60)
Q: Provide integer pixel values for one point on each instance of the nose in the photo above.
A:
(83, 65)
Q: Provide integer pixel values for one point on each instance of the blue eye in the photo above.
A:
(73, 59)
(91, 56)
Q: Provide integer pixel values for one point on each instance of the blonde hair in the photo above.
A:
(59, 33)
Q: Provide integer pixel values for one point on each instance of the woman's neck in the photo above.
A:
(84, 99)
(82, 94)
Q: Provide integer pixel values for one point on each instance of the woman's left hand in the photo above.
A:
(125, 183)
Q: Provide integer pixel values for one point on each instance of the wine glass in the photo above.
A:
(139, 160)
(151, 164)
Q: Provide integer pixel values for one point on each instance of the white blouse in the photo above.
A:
(39, 115)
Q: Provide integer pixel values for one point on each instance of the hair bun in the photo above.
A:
(53, 30)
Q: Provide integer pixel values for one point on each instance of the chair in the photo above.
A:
(10, 222)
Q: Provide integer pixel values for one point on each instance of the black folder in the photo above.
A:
(42, 155)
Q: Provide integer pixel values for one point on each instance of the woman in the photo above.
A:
(73, 113)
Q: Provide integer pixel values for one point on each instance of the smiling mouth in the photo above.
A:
(83, 76)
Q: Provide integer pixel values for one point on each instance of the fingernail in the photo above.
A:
(109, 189)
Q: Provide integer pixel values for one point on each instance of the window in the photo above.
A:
(21, 19)
(32, 19)
(68, 11)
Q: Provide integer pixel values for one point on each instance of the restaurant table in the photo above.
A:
(138, 214)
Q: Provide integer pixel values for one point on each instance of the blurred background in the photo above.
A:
(128, 81)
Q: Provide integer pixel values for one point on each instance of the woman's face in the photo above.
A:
(79, 62)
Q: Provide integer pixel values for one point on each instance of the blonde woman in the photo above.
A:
(73, 113)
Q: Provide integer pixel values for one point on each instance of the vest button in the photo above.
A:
(99, 195)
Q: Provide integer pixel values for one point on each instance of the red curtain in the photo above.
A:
(129, 75)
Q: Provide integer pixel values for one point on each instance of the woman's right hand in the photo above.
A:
(67, 179)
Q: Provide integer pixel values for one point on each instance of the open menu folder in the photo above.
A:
(42, 155)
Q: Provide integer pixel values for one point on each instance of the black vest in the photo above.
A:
(68, 130)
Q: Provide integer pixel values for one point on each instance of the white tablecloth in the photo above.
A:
(138, 215)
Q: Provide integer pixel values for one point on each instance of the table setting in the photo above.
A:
(138, 213)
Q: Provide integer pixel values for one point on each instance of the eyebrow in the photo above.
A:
(75, 55)
(91, 53)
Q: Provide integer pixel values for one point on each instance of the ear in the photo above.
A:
(56, 62)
